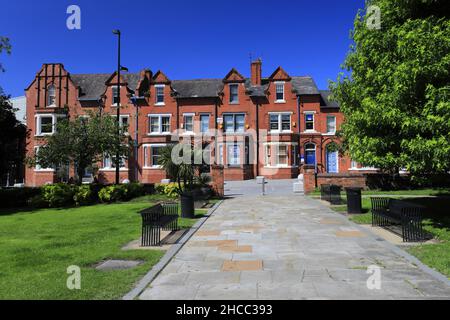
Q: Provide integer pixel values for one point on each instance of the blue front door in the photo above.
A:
(310, 157)
(332, 159)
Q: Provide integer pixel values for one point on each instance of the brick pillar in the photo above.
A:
(309, 183)
(218, 181)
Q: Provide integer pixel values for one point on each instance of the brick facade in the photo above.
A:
(256, 126)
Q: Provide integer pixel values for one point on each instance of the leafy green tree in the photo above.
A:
(12, 134)
(4, 46)
(396, 94)
(83, 142)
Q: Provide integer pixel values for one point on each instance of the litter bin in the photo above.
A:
(335, 194)
(354, 200)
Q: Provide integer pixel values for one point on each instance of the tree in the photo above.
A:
(82, 142)
(179, 162)
(396, 95)
(4, 46)
(12, 134)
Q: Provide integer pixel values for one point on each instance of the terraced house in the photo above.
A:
(275, 126)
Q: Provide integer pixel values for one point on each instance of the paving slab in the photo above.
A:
(300, 249)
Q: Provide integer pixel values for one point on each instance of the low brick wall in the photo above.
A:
(340, 179)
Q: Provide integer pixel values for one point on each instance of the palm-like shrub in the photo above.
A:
(184, 173)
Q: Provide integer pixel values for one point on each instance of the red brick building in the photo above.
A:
(275, 126)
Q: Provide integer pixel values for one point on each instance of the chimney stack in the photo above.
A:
(255, 70)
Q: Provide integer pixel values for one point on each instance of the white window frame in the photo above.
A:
(219, 155)
(163, 102)
(113, 96)
(38, 167)
(121, 117)
(234, 122)
(200, 121)
(269, 152)
(160, 129)
(306, 113)
(283, 85)
(38, 123)
(192, 115)
(233, 145)
(110, 167)
(237, 93)
(148, 157)
(328, 131)
(280, 122)
(49, 88)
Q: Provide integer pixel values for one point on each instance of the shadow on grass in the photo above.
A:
(437, 212)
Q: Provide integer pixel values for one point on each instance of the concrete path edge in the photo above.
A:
(157, 268)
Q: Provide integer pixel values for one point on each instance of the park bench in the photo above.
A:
(330, 193)
(389, 213)
(162, 216)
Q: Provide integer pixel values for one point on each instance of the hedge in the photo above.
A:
(66, 195)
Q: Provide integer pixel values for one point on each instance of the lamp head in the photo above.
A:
(116, 31)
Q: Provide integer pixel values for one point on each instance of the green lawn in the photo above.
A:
(437, 223)
(37, 246)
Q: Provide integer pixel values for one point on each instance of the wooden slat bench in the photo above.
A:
(162, 216)
(387, 212)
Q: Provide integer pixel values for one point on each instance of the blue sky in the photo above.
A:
(185, 39)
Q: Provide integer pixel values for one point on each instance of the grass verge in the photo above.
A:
(37, 246)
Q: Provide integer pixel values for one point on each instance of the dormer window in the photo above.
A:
(159, 88)
(115, 95)
(51, 96)
(234, 96)
(279, 92)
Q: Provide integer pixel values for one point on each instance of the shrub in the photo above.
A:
(17, 197)
(171, 189)
(133, 190)
(83, 195)
(112, 193)
(58, 195)
(37, 202)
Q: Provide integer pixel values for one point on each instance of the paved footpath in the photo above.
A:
(287, 247)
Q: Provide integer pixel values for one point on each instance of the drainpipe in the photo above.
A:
(257, 139)
(298, 128)
(215, 131)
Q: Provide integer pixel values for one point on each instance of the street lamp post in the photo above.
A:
(136, 137)
(117, 32)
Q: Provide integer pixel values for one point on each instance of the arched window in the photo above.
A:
(51, 95)
(310, 154)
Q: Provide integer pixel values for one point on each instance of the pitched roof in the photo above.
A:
(93, 85)
(325, 102)
(304, 85)
(197, 88)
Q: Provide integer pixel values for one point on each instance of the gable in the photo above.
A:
(233, 76)
(280, 75)
(160, 77)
